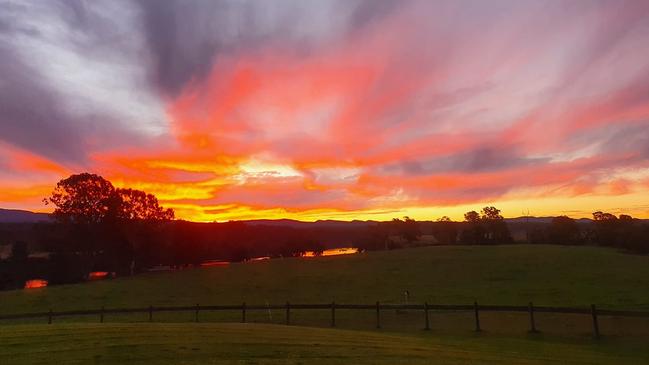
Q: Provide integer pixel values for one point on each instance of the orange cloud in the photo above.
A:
(419, 112)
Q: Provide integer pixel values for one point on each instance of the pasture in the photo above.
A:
(165, 343)
(500, 275)
(503, 275)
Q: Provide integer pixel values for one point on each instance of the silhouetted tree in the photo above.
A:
(474, 233)
(68, 267)
(374, 238)
(445, 231)
(491, 213)
(408, 228)
(84, 199)
(472, 216)
(632, 234)
(606, 227)
(138, 205)
(19, 251)
(488, 228)
(102, 221)
(90, 199)
(496, 227)
(564, 230)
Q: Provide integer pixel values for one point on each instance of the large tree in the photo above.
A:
(110, 228)
(84, 199)
(445, 231)
(408, 228)
(606, 229)
(486, 228)
(564, 230)
(497, 230)
(90, 199)
(138, 205)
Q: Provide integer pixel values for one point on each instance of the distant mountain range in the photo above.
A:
(541, 220)
(298, 224)
(22, 216)
(357, 223)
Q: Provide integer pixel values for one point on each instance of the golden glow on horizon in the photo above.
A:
(254, 179)
(581, 206)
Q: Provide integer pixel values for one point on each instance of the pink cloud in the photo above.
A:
(429, 104)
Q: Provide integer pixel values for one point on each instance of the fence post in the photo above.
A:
(333, 314)
(196, 313)
(477, 316)
(101, 315)
(427, 323)
(288, 313)
(150, 313)
(49, 317)
(593, 311)
(378, 315)
(243, 312)
(532, 323)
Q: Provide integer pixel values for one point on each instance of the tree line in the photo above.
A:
(488, 227)
(483, 228)
(605, 229)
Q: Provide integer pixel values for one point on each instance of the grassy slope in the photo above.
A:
(547, 275)
(272, 344)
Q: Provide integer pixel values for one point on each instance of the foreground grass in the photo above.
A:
(157, 343)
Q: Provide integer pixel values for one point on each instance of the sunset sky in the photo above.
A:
(317, 109)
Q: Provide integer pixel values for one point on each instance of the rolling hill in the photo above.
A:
(22, 216)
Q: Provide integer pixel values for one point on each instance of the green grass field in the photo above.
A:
(507, 275)
(514, 274)
(164, 343)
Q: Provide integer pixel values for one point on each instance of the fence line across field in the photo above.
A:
(531, 309)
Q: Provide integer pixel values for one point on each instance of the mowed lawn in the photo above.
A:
(165, 343)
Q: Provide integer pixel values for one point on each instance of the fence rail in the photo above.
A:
(333, 306)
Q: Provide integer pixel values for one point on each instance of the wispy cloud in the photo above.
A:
(331, 107)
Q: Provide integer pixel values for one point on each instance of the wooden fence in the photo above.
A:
(531, 309)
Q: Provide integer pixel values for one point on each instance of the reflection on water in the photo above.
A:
(332, 252)
(35, 283)
(329, 252)
(262, 258)
(98, 275)
(215, 263)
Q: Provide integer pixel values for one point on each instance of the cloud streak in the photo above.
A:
(239, 109)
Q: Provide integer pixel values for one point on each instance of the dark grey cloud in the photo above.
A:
(180, 52)
(69, 79)
(369, 11)
(80, 76)
(480, 159)
(626, 139)
(30, 116)
(187, 37)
